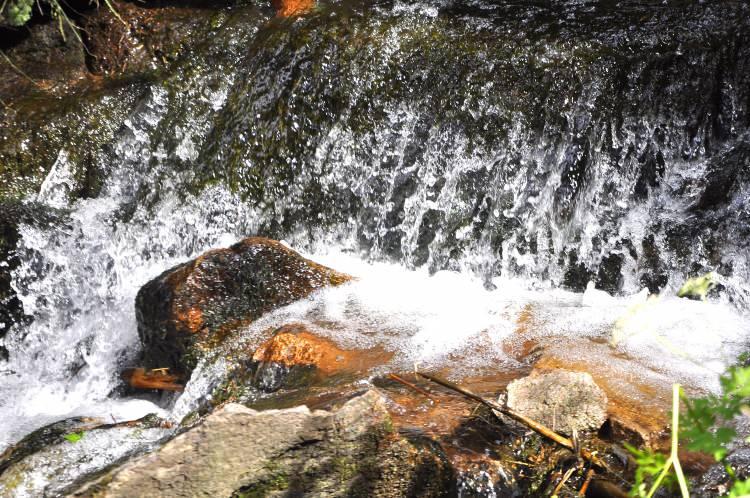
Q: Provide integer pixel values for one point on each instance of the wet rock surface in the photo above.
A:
(139, 37)
(12, 215)
(350, 451)
(199, 303)
(53, 459)
(295, 357)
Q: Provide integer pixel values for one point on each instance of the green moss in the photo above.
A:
(277, 480)
(345, 467)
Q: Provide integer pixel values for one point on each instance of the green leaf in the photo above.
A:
(740, 489)
(74, 437)
(649, 465)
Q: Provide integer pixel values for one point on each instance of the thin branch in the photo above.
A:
(531, 424)
(412, 386)
(586, 482)
(18, 70)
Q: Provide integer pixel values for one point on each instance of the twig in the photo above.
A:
(562, 482)
(586, 482)
(673, 460)
(412, 386)
(18, 70)
(531, 424)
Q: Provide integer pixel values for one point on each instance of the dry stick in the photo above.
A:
(562, 482)
(409, 384)
(586, 482)
(531, 424)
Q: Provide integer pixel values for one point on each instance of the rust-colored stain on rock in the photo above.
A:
(294, 345)
(286, 8)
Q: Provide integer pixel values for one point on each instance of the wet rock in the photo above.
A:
(139, 38)
(61, 456)
(193, 306)
(41, 438)
(294, 355)
(50, 56)
(238, 451)
(12, 214)
(638, 404)
(563, 400)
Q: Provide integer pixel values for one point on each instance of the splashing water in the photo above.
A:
(463, 185)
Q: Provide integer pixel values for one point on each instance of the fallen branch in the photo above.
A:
(412, 386)
(531, 424)
(586, 482)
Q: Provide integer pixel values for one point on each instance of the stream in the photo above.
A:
(474, 164)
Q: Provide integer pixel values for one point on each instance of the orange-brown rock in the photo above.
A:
(286, 8)
(195, 305)
(294, 349)
(161, 379)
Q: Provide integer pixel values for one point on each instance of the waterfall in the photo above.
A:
(507, 153)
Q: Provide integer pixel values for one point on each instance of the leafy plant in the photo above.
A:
(740, 489)
(705, 428)
(18, 12)
(706, 420)
(664, 469)
(74, 437)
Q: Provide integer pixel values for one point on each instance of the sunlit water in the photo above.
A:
(479, 207)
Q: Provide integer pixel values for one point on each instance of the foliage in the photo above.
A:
(649, 466)
(705, 421)
(18, 12)
(705, 429)
(698, 287)
(74, 437)
(652, 464)
(740, 489)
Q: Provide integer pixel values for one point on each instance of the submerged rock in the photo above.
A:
(562, 400)
(195, 305)
(237, 451)
(294, 354)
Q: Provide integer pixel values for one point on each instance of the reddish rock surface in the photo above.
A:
(286, 8)
(294, 345)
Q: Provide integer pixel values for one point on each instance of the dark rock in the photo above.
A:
(13, 213)
(41, 438)
(67, 453)
(51, 56)
(351, 451)
(193, 306)
(139, 38)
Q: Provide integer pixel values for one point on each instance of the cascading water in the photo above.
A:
(508, 150)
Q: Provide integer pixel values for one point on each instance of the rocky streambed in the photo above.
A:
(504, 195)
(258, 393)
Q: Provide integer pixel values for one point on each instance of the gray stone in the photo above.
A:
(238, 451)
(562, 400)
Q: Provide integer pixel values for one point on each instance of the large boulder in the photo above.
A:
(193, 306)
(237, 451)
